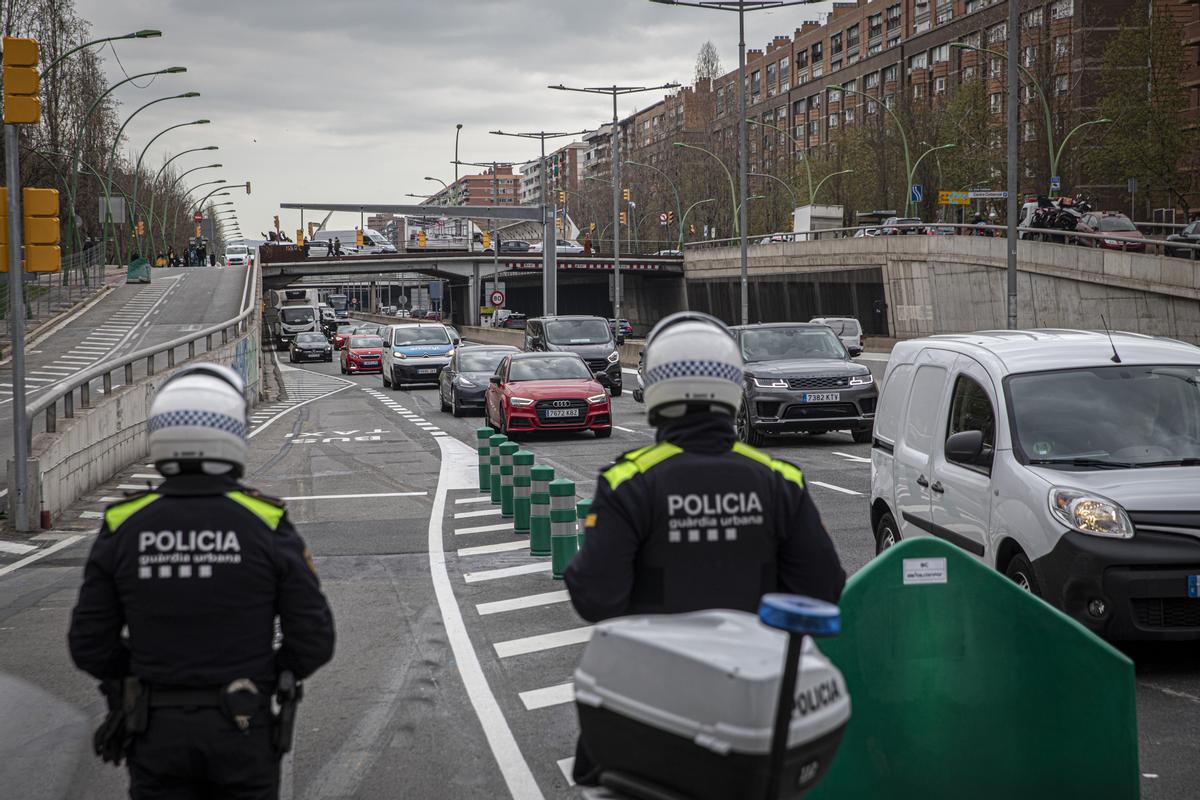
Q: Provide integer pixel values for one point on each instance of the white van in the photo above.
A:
(373, 241)
(1065, 459)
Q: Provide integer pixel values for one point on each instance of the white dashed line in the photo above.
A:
(518, 603)
(841, 489)
(506, 572)
(501, 547)
(503, 526)
(543, 641)
(489, 512)
(549, 696)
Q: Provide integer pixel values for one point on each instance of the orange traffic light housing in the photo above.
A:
(21, 82)
(41, 230)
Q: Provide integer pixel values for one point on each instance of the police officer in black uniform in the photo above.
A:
(697, 520)
(198, 571)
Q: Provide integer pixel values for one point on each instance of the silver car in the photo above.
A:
(848, 331)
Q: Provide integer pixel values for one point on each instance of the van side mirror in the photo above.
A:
(965, 447)
(495, 379)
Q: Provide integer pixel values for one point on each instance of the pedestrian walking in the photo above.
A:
(176, 614)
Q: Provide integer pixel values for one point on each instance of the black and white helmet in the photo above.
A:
(198, 422)
(692, 365)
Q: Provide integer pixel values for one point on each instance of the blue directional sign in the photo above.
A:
(918, 192)
(1056, 183)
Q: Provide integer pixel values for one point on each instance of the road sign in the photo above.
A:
(497, 298)
(197, 217)
(987, 194)
(1131, 186)
(663, 218)
(1056, 183)
(918, 193)
(953, 199)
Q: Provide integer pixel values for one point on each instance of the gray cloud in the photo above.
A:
(356, 100)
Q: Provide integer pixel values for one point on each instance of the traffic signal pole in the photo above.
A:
(16, 316)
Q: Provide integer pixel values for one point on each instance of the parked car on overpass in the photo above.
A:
(1189, 235)
(1118, 225)
(562, 246)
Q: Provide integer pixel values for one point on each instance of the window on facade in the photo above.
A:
(939, 85)
(918, 91)
(972, 39)
(852, 37)
(814, 128)
(772, 77)
(1029, 55)
(1062, 9)
(800, 107)
(835, 95)
(893, 41)
(1032, 19)
(995, 68)
(945, 12)
(919, 61)
(851, 86)
(817, 71)
(835, 65)
(1029, 131)
(785, 73)
(996, 102)
(889, 101)
(874, 48)
(849, 115)
(969, 73)
(801, 59)
(814, 102)
(1062, 46)
(874, 26)
(941, 53)
(818, 52)
(889, 74)
(835, 43)
(975, 5)
(871, 80)
(872, 107)
(997, 33)
(1062, 84)
(755, 85)
(893, 16)
(1030, 93)
(833, 120)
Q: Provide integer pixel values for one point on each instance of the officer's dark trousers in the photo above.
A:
(199, 754)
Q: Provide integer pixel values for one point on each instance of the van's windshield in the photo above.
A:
(1107, 417)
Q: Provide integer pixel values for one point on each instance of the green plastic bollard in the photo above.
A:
(564, 540)
(494, 443)
(539, 510)
(582, 509)
(522, 464)
(506, 477)
(484, 449)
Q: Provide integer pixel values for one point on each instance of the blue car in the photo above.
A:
(415, 353)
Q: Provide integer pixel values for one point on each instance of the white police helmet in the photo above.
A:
(692, 365)
(198, 422)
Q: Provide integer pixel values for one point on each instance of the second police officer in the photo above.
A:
(198, 571)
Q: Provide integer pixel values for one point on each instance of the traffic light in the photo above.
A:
(141, 228)
(300, 237)
(624, 219)
(276, 223)
(592, 227)
(21, 103)
(692, 229)
(41, 230)
(198, 233)
(487, 240)
(420, 238)
(358, 238)
(247, 187)
(671, 217)
(562, 198)
(625, 194)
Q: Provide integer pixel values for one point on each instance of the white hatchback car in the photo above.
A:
(1068, 460)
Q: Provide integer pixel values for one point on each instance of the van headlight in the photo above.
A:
(614, 357)
(398, 354)
(1090, 513)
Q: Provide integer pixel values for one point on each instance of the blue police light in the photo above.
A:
(796, 614)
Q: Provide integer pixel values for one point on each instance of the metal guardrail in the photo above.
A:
(1072, 238)
(82, 381)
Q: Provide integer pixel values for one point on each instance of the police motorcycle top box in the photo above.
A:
(707, 706)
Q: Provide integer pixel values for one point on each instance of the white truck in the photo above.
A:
(373, 240)
(293, 311)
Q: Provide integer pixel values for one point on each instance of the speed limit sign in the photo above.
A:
(497, 298)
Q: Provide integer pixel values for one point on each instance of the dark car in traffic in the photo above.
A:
(310, 346)
(511, 246)
(800, 378)
(463, 382)
(626, 329)
(1189, 235)
(588, 337)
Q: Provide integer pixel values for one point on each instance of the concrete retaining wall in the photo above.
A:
(952, 284)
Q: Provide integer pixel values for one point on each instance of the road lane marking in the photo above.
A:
(518, 603)
(487, 512)
(480, 499)
(459, 470)
(543, 641)
(549, 696)
(630, 430)
(506, 572)
(567, 767)
(16, 548)
(850, 457)
(353, 496)
(91, 515)
(134, 487)
(152, 475)
(40, 554)
(834, 488)
(503, 526)
(500, 547)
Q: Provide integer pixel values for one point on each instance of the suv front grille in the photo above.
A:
(820, 382)
(1167, 612)
(542, 406)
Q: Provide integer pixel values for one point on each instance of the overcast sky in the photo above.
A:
(356, 100)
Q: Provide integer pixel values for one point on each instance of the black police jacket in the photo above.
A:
(198, 569)
(699, 520)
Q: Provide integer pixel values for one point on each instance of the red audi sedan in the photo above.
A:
(362, 354)
(547, 392)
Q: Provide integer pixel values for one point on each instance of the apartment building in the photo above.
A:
(563, 172)
(481, 189)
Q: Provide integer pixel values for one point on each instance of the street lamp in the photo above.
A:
(908, 166)
(72, 193)
(549, 237)
(158, 176)
(674, 188)
(137, 170)
(457, 131)
(144, 34)
(912, 173)
(741, 7)
(615, 159)
(445, 185)
(693, 205)
(781, 182)
(112, 155)
(832, 175)
(732, 198)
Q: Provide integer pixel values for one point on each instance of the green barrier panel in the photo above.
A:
(138, 271)
(494, 443)
(539, 509)
(507, 450)
(522, 488)
(582, 509)
(484, 448)
(964, 686)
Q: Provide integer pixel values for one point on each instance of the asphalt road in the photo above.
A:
(130, 317)
(453, 646)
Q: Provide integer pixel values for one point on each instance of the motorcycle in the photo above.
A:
(1059, 218)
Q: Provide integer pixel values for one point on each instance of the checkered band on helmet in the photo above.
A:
(197, 419)
(694, 368)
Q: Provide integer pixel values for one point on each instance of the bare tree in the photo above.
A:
(708, 63)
